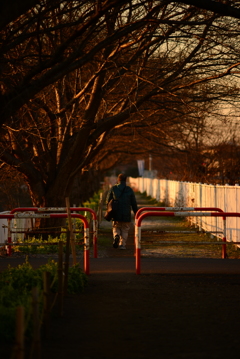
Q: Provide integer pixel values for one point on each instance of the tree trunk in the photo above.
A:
(84, 187)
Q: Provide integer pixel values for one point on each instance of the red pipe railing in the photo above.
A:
(60, 215)
(176, 209)
(224, 252)
(56, 209)
(177, 214)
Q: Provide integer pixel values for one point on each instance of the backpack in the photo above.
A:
(112, 207)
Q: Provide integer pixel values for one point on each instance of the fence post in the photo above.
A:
(100, 208)
(35, 350)
(66, 265)
(19, 345)
(138, 248)
(46, 303)
(9, 239)
(224, 247)
(60, 277)
(86, 250)
(71, 232)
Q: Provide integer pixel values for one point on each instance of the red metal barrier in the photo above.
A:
(224, 251)
(60, 215)
(177, 214)
(143, 209)
(61, 209)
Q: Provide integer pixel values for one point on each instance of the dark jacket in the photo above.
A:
(127, 201)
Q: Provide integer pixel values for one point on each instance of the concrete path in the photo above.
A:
(165, 266)
(126, 265)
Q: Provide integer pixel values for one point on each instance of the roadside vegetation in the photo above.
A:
(16, 286)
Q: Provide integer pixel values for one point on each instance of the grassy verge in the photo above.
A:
(38, 246)
(151, 236)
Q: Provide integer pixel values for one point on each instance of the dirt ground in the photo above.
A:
(122, 315)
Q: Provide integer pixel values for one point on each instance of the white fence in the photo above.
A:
(3, 229)
(22, 224)
(186, 194)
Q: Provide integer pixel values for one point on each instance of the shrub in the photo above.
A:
(15, 289)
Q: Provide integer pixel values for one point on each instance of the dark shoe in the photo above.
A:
(116, 241)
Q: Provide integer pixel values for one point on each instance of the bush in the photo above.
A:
(15, 289)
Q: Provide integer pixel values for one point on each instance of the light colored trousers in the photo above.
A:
(122, 229)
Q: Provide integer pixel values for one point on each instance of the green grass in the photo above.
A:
(151, 201)
(149, 239)
(38, 246)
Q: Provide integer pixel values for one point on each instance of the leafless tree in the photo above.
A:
(73, 74)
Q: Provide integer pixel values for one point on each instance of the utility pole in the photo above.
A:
(150, 162)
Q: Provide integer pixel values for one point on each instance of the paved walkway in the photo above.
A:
(126, 265)
(165, 266)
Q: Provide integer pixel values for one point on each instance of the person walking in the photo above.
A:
(122, 218)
